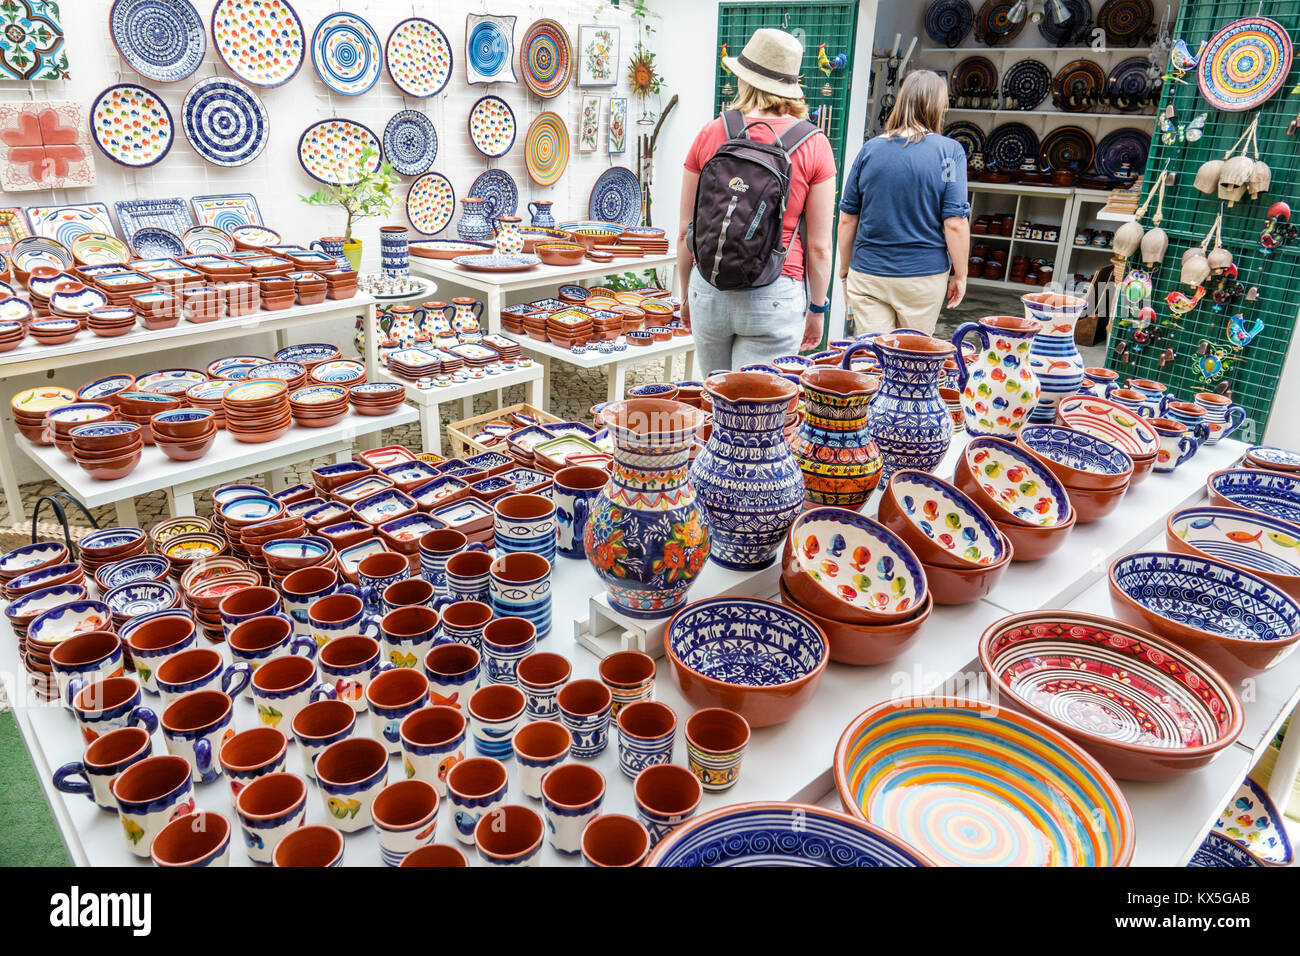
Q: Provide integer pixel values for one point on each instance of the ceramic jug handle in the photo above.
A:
(323, 692)
(854, 349)
(964, 330)
(307, 643)
(312, 246)
(237, 677)
(448, 308)
(1234, 419)
(1202, 432)
(65, 779)
(477, 310)
(145, 716)
(1187, 446)
(532, 208)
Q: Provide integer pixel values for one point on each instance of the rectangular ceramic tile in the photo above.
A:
(598, 62)
(45, 145)
(32, 47)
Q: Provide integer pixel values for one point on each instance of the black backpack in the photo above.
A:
(735, 232)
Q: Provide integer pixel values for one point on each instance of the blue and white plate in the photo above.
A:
(410, 142)
(143, 567)
(1121, 148)
(616, 197)
(345, 51)
(163, 40)
(489, 49)
(225, 121)
(141, 597)
(307, 352)
(154, 242)
(101, 387)
(499, 193)
(496, 263)
(135, 214)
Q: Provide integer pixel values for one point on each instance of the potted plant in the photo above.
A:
(369, 196)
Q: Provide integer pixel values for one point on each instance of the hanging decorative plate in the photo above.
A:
(1026, 84)
(330, 150)
(65, 223)
(448, 248)
(225, 121)
(968, 135)
(1123, 146)
(489, 48)
(616, 197)
(546, 60)
(135, 214)
(410, 142)
(496, 263)
(1130, 80)
(152, 242)
(162, 40)
(1244, 64)
(1011, 144)
(546, 149)
(1072, 31)
(973, 76)
(419, 57)
(1067, 147)
(99, 248)
(260, 41)
(227, 211)
(499, 193)
(949, 21)
(131, 125)
(32, 251)
(993, 24)
(430, 203)
(1126, 22)
(207, 239)
(1077, 86)
(345, 52)
(492, 126)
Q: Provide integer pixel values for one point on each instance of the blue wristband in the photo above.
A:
(820, 309)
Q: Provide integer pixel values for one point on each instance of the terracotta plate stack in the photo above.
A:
(54, 331)
(12, 333)
(209, 395)
(157, 309)
(508, 350)
(278, 292)
(309, 287)
(569, 328)
(63, 420)
(257, 410)
(377, 398)
(184, 434)
(319, 406)
(107, 546)
(202, 304)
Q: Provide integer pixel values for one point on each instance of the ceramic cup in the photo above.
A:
(196, 726)
(665, 795)
(195, 839)
(433, 741)
(435, 854)
(149, 794)
(573, 490)
(1177, 444)
(630, 676)
(614, 839)
(376, 572)
(540, 676)
(585, 707)
(304, 587)
(1155, 394)
(436, 548)
(538, 747)
(525, 523)
(716, 739)
(256, 641)
(520, 586)
(156, 640)
(1222, 416)
(506, 641)
(468, 575)
(251, 754)
(392, 696)
(409, 633)
(453, 672)
(572, 794)
(1191, 415)
(474, 787)
(410, 592)
(1130, 398)
(338, 616)
(108, 704)
(103, 761)
(646, 729)
(350, 664)
(86, 657)
(393, 251)
(200, 668)
(247, 603)
(317, 726)
(270, 808)
(350, 773)
(285, 685)
(509, 836)
(495, 713)
(318, 846)
(406, 818)
(463, 621)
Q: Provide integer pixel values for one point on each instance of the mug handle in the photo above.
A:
(443, 601)
(1232, 420)
(1110, 387)
(381, 667)
(1187, 446)
(74, 688)
(303, 641)
(65, 779)
(964, 330)
(323, 691)
(203, 759)
(237, 677)
(476, 546)
(145, 716)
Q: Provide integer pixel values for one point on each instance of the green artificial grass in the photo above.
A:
(28, 834)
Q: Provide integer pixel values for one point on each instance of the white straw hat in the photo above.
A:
(770, 62)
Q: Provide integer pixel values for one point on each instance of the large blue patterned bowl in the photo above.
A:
(759, 658)
(1265, 492)
(1078, 459)
(781, 834)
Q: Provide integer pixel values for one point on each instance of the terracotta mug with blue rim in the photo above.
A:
(155, 640)
(1157, 395)
(392, 696)
(1191, 415)
(92, 655)
(320, 724)
(376, 572)
(195, 726)
(304, 587)
(350, 663)
(408, 633)
(103, 761)
(436, 549)
(149, 794)
(257, 641)
(251, 754)
(200, 668)
(111, 703)
(453, 670)
(1131, 399)
(285, 685)
(1224, 418)
(1177, 444)
(247, 603)
(338, 616)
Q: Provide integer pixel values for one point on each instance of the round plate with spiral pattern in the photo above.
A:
(545, 58)
(1244, 64)
(225, 121)
(546, 149)
(162, 40)
(345, 52)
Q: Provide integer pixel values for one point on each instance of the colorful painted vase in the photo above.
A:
(393, 251)
(464, 320)
(645, 536)
(332, 246)
(998, 388)
(746, 478)
(1053, 357)
(1222, 416)
(833, 446)
(510, 241)
(540, 210)
(473, 224)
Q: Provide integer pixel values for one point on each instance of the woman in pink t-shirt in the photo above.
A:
(741, 327)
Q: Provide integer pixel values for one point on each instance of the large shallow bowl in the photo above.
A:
(758, 658)
(939, 523)
(1109, 421)
(1144, 707)
(1078, 459)
(781, 834)
(1264, 546)
(845, 566)
(865, 644)
(1269, 493)
(1238, 623)
(969, 784)
(1011, 485)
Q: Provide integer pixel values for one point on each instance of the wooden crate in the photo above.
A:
(463, 446)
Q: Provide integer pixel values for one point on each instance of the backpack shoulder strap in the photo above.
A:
(798, 134)
(733, 123)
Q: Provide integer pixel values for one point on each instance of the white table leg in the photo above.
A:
(668, 367)
(545, 386)
(371, 325)
(467, 407)
(9, 475)
(692, 366)
(430, 429)
(274, 480)
(617, 382)
(180, 503)
(126, 516)
(492, 306)
(533, 393)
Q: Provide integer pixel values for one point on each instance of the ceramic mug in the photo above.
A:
(1157, 396)
(156, 640)
(506, 641)
(538, 747)
(149, 794)
(305, 587)
(409, 592)
(435, 854)
(339, 615)
(316, 845)
(1191, 415)
(407, 634)
(89, 656)
(630, 676)
(318, 725)
(436, 549)
(285, 685)
(572, 795)
(463, 622)
(196, 726)
(256, 641)
(433, 741)
(350, 773)
(716, 739)
(194, 839)
(468, 574)
(585, 707)
(103, 761)
(615, 839)
(1222, 416)
(524, 523)
(509, 836)
(269, 809)
(475, 787)
(540, 676)
(1129, 398)
(1177, 444)
(247, 603)
(251, 754)
(376, 572)
(332, 246)
(520, 586)
(392, 696)
(573, 490)
(108, 704)
(646, 730)
(495, 712)
(200, 668)
(665, 795)
(406, 818)
(350, 664)
(453, 673)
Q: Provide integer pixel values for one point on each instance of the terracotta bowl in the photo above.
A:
(1032, 543)
(1142, 465)
(1011, 485)
(865, 644)
(105, 436)
(1144, 707)
(1238, 623)
(1271, 493)
(758, 658)
(112, 469)
(107, 454)
(1090, 506)
(843, 565)
(963, 585)
(1264, 546)
(182, 424)
(1109, 421)
(190, 449)
(1077, 459)
(939, 523)
(560, 253)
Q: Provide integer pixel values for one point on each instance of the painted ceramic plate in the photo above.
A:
(448, 248)
(546, 58)
(410, 142)
(207, 239)
(1027, 82)
(253, 235)
(98, 248)
(151, 242)
(1120, 148)
(345, 52)
(162, 40)
(1244, 64)
(170, 214)
(131, 125)
(498, 191)
(949, 21)
(65, 223)
(1067, 147)
(496, 263)
(330, 150)
(973, 76)
(546, 149)
(1077, 85)
(1011, 144)
(968, 135)
(227, 211)
(1252, 821)
(993, 23)
(260, 41)
(419, 57)
(225, 121)
(1125, 22)
(1130, 79)
(171, 381)
(489, 48)
(32, 251)
(430, 203)
(616, 197)
(492, 126)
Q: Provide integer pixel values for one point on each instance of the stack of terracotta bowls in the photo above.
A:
(377, 398)
(1094, 473)
(208, 395)
(185, 434)
(319, 406)
(253, 537)
(284, 556)
(858, 581)
(54, 331)
(961, 550)
(292, 374)
(309, 287)
(206, 583)
(112, 321)
(12, 331)
(30, 407)
(141, 407)
(1019, 493)
(62, 421)
(278, 292)
(244, 512)
(185, 524)
(257, 410)
(107, 451)
(341, 283)
(156, 310)
(109, 545)
(185, 551)
(31, 557)
(202, 304)
(1114, 424)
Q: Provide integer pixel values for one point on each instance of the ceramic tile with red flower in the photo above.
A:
(44, 145)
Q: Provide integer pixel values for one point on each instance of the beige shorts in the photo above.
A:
(885, 303)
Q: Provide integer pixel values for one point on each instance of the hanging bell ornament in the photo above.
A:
(1233, 178)
(1261, 177)
(1219, 259)
(1207, 177)
(1154, 246)
(1195, 268)
(1128, 238)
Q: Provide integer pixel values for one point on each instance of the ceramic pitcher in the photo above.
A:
(437, 321)
(907, 416)
(332, 246)
(836, 453)
(1222, 416)
(510, 241)
(540, 210)
(403, 320)
(998, 389)
(1177, 444)
(464, 320)
(1053, 357)
(1156, 395)
(393, 251)
(473, 225)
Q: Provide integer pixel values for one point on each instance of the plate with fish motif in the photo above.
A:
(261, 41)
(345, 52)
(1253, 822)
(419, 57)
(430, 203)
(162, 40)
(131, 125)
(226, 211)
(154, 242)
(330, 150)
(410, 143)
(492, 126)
(65, 223)
(496, 263)
(616, 197)
(498, 191)
(225, 121)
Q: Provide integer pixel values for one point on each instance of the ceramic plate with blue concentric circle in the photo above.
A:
(346, 54)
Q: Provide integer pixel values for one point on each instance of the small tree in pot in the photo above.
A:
(369, 196)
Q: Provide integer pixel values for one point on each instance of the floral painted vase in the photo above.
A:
(510, 241)
(746, 478)
(998, 389)
(645, 535)
(473, 225)
(1053, 357)
(833, 446)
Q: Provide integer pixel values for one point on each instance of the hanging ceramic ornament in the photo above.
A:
(1195, 268)
(1278, 230)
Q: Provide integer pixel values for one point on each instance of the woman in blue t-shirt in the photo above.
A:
(905, 216)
